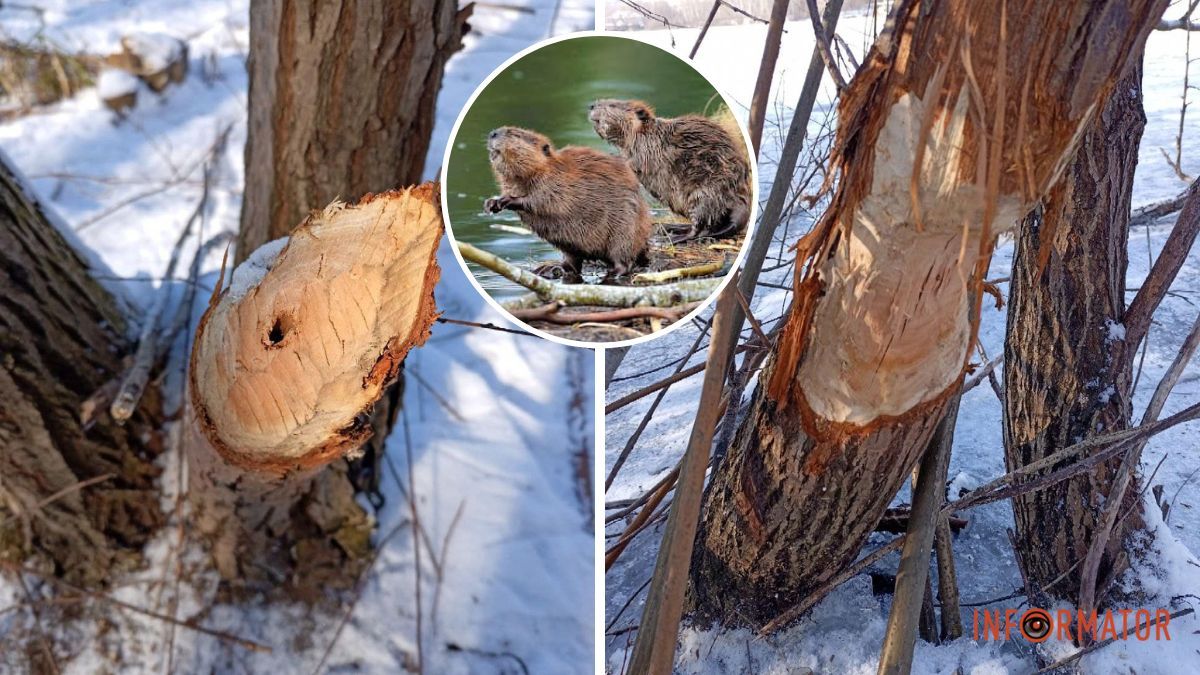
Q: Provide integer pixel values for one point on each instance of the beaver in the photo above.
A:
(583, 201)
(689, 163)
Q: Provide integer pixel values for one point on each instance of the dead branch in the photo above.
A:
(654, 651)
(1146, 215)
(712, 13)
(665, 295)
(822, 43)
(551, 313)
(151, 342)
(664, 383)
(947, 580)
(766, 72)
(679, 273)
(1105, 642)
(487, 326)
(1162, 273)
(220, 635)
(662, 391)
(1112, 503)
(912, 577)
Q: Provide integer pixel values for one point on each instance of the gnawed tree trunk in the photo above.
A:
(288, 362)
(80, 499)
(341, 103)
(962, 118)
(1067, 374)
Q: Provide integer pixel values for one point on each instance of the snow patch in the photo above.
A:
(114, 82)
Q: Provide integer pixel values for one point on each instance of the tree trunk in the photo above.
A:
(80, 498)
(932, 167)
(341, 103)
(288, 362)
(1067, 375)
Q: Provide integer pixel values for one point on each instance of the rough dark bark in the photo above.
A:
(1067, 374)
(62, 338)
(341, 103)
(956, 124)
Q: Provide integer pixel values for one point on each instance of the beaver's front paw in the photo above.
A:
(495, 204)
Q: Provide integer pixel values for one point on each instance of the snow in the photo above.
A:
(494, 422)
(113, 83)
(157, 50)
(247, 275)
(844, 632)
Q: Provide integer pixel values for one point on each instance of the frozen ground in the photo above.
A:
(843, 634)
(493, 420)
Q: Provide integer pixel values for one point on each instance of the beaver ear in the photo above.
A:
(642, 114)
(546, 149)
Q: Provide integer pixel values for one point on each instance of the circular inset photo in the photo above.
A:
(598, 189)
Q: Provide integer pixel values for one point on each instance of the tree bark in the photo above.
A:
(1067, 373)
(932, 168)
(79, 498)
(341, 103)
(288, 363)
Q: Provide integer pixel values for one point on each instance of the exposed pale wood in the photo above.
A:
(287, 365)
(960, 118)
(289, 361)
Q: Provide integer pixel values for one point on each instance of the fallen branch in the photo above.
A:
(220, 635)
(151, 342)
(1146, 215)
(551, 313)
(666, 295)
(1107, 641)
(679, 273)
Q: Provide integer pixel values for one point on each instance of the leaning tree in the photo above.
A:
(962, 117)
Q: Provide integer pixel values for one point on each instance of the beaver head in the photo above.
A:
(518, 153)
(618, 121)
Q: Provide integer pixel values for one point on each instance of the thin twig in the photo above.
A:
(1105, 642)
(822, 46)
(220, 635)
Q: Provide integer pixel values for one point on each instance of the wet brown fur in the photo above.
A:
(583, 201)
(690, 163)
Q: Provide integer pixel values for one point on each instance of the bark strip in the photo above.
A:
(957, 122)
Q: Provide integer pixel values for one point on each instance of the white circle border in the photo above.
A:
(445, 172)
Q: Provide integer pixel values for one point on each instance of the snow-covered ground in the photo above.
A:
(843, 634)
(495, 420)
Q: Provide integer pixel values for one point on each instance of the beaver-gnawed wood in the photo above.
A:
(690, 163)
(583, 201)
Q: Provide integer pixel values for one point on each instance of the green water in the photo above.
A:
(549, 90)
